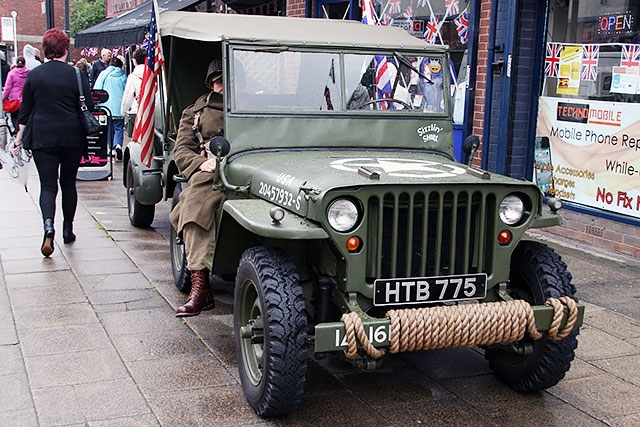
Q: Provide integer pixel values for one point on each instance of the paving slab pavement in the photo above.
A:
(88, 337)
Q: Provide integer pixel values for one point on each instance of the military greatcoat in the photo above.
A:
(198, 202)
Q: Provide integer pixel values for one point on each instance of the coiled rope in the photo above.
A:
(464, 325)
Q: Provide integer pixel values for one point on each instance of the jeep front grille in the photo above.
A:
(429, 233)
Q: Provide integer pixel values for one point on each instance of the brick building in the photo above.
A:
(31, 23)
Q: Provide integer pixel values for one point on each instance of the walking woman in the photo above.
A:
(49, 120)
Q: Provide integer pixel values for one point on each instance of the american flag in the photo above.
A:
(367, 13)
(383, 79)
(144, 124)
(630, 55)
(462, 27)
(590, 54)
(452, 7)
(432, 29)
(552, 60)
(395, 6)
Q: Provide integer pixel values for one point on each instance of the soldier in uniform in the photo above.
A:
(194, 215)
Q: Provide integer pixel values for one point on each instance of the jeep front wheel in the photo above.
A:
(181, 276)
(270, 326)
(139, 215)
(537, 273)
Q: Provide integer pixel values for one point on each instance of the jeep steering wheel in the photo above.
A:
(393, 100)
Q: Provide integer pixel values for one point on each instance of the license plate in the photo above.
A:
(420, 290)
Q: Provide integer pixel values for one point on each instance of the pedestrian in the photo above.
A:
(36, 54)
(49, 125)
(113, 80)
(193, 216)
(4, 67)
(13, 87)
(82, 65)
(100, 64)
(29, 54)
(134, 81)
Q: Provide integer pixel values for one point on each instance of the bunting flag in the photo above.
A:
(431, 32)
(395, 6)
(367, 13)
(630, 55)
(590, 56)
(552, 59)
(462, 27)
(144, 124)
(408, 15)
(452, 7)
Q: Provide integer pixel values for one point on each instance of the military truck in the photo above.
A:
(348, 228)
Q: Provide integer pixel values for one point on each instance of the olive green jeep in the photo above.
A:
(347, 225)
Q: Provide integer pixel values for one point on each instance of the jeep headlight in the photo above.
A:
(511, 209)
(342, 215)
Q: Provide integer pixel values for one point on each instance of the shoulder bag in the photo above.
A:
(89, 122)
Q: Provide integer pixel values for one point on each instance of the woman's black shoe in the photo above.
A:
(47, 241)
(67, 232)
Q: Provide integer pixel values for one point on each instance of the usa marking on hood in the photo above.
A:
(406, 168)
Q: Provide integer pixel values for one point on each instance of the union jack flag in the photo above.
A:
(386, 20)
(114, 51)
(630, 55)
(452, 7)
(408, 14)
(395, 6)
(552, 60)
(432, 29)
(144, 124)
(590, 55)
(367, 13)
(462, 27)
(383, 80)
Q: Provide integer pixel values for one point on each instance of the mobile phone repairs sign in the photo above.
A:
(588, 152)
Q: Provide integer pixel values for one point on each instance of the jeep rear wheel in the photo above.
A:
(139, 215)
(270, 326)
(181, 276)
(537, 273)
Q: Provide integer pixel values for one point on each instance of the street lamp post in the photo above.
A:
(14, 14)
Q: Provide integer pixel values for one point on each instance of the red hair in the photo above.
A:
(55, 43)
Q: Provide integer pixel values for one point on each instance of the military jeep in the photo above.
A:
(348, 227)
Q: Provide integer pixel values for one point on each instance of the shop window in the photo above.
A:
(587, 140)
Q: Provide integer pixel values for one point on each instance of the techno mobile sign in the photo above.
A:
(588, 152)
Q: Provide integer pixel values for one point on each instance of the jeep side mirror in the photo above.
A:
(220, 147)
(470, 145)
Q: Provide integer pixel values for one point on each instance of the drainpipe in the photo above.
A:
(472, 61)
(489, 83)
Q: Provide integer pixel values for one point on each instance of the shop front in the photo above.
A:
(587, 145)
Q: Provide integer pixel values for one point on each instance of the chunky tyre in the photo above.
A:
(270, 324)
(139, 215)
(181, 276)
(537, 273)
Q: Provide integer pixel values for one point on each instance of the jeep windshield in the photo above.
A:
(283, 80)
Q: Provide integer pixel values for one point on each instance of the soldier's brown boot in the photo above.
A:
(200, 297)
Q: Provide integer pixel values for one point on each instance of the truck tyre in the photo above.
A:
(537, 273)
(270, 324)
(139, 215)
(181, 276)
